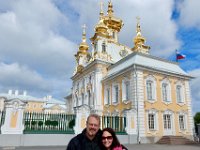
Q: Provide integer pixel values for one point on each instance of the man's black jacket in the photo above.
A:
(81, 142)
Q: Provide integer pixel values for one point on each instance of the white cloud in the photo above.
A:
(189, 13)
(17, 77)
(31, 36)
(21, 76)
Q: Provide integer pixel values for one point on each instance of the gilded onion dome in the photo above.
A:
(101, 29)
(139, 41)
(83, 47)
(111, 21)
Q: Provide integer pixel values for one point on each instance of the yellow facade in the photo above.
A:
(115, 79)
(34, 106)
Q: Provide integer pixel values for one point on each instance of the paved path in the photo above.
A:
(130, 147)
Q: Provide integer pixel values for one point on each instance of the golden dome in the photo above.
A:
(139, 41)
(101, 29)
(111, 21)
(83, 46)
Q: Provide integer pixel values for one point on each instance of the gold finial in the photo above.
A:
(139, 41)
(101, 9)
(84, 29)
(138, 30)
(110, 10)
(84, 33)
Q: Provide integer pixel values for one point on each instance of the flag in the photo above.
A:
(179, 56)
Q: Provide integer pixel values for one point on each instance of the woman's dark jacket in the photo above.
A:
(81, 142)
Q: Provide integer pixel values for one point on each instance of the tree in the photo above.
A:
(196, 120)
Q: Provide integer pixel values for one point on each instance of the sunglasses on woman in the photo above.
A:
(107, 137)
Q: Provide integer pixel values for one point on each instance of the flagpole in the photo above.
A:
(176, 55)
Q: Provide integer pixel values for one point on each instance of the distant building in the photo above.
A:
(69, 104)
(115, 80)
(33, 104)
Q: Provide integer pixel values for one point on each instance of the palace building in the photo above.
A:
(112, 79)
(47, 104)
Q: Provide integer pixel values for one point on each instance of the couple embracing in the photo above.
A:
(92, 138)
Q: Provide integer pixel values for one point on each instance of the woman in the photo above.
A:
(110, 140)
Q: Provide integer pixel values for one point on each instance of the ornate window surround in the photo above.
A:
(169, 99)
(153, 80)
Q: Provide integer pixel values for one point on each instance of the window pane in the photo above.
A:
(181, 122)
(164, 91)
(178, 94)
(116, 93)
(127, 88)
(108, 96)
(149, 85)
(151, 121)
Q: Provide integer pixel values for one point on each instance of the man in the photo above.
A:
(90, 138)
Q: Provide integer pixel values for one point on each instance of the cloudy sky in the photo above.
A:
(38, 39)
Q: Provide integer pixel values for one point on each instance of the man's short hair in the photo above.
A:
(95, 116)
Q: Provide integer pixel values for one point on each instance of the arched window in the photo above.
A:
(103, 47)
(115, 93)
(151, 88)
(149, 85)
(107, 95)
(152, 117)
(166, 91)
(125, 89)
(180, 93)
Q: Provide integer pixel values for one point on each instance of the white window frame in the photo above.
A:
(155, 114)
(153, 90)
(114, 93)
(171, 113)
(168, 91)
(106, 96)
(103, 47)
(181, 119)
(126, 93)
(184, 114)
(180, 101)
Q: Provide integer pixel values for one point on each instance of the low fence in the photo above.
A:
(115, 122)
(61, 123)
(46, 123)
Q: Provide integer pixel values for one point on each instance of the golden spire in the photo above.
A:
(111, 21)
(139, 40)
(83, 47)
(100, 28)
(110, 8)
(84, 34)
(101, 10)
(138, 30)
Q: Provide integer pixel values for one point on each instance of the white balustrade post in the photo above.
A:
(13, 123)
(81, 117)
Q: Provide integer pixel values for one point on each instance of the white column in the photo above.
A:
(98, 89)
(189, 105)
(131, 122)
(81, 117)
